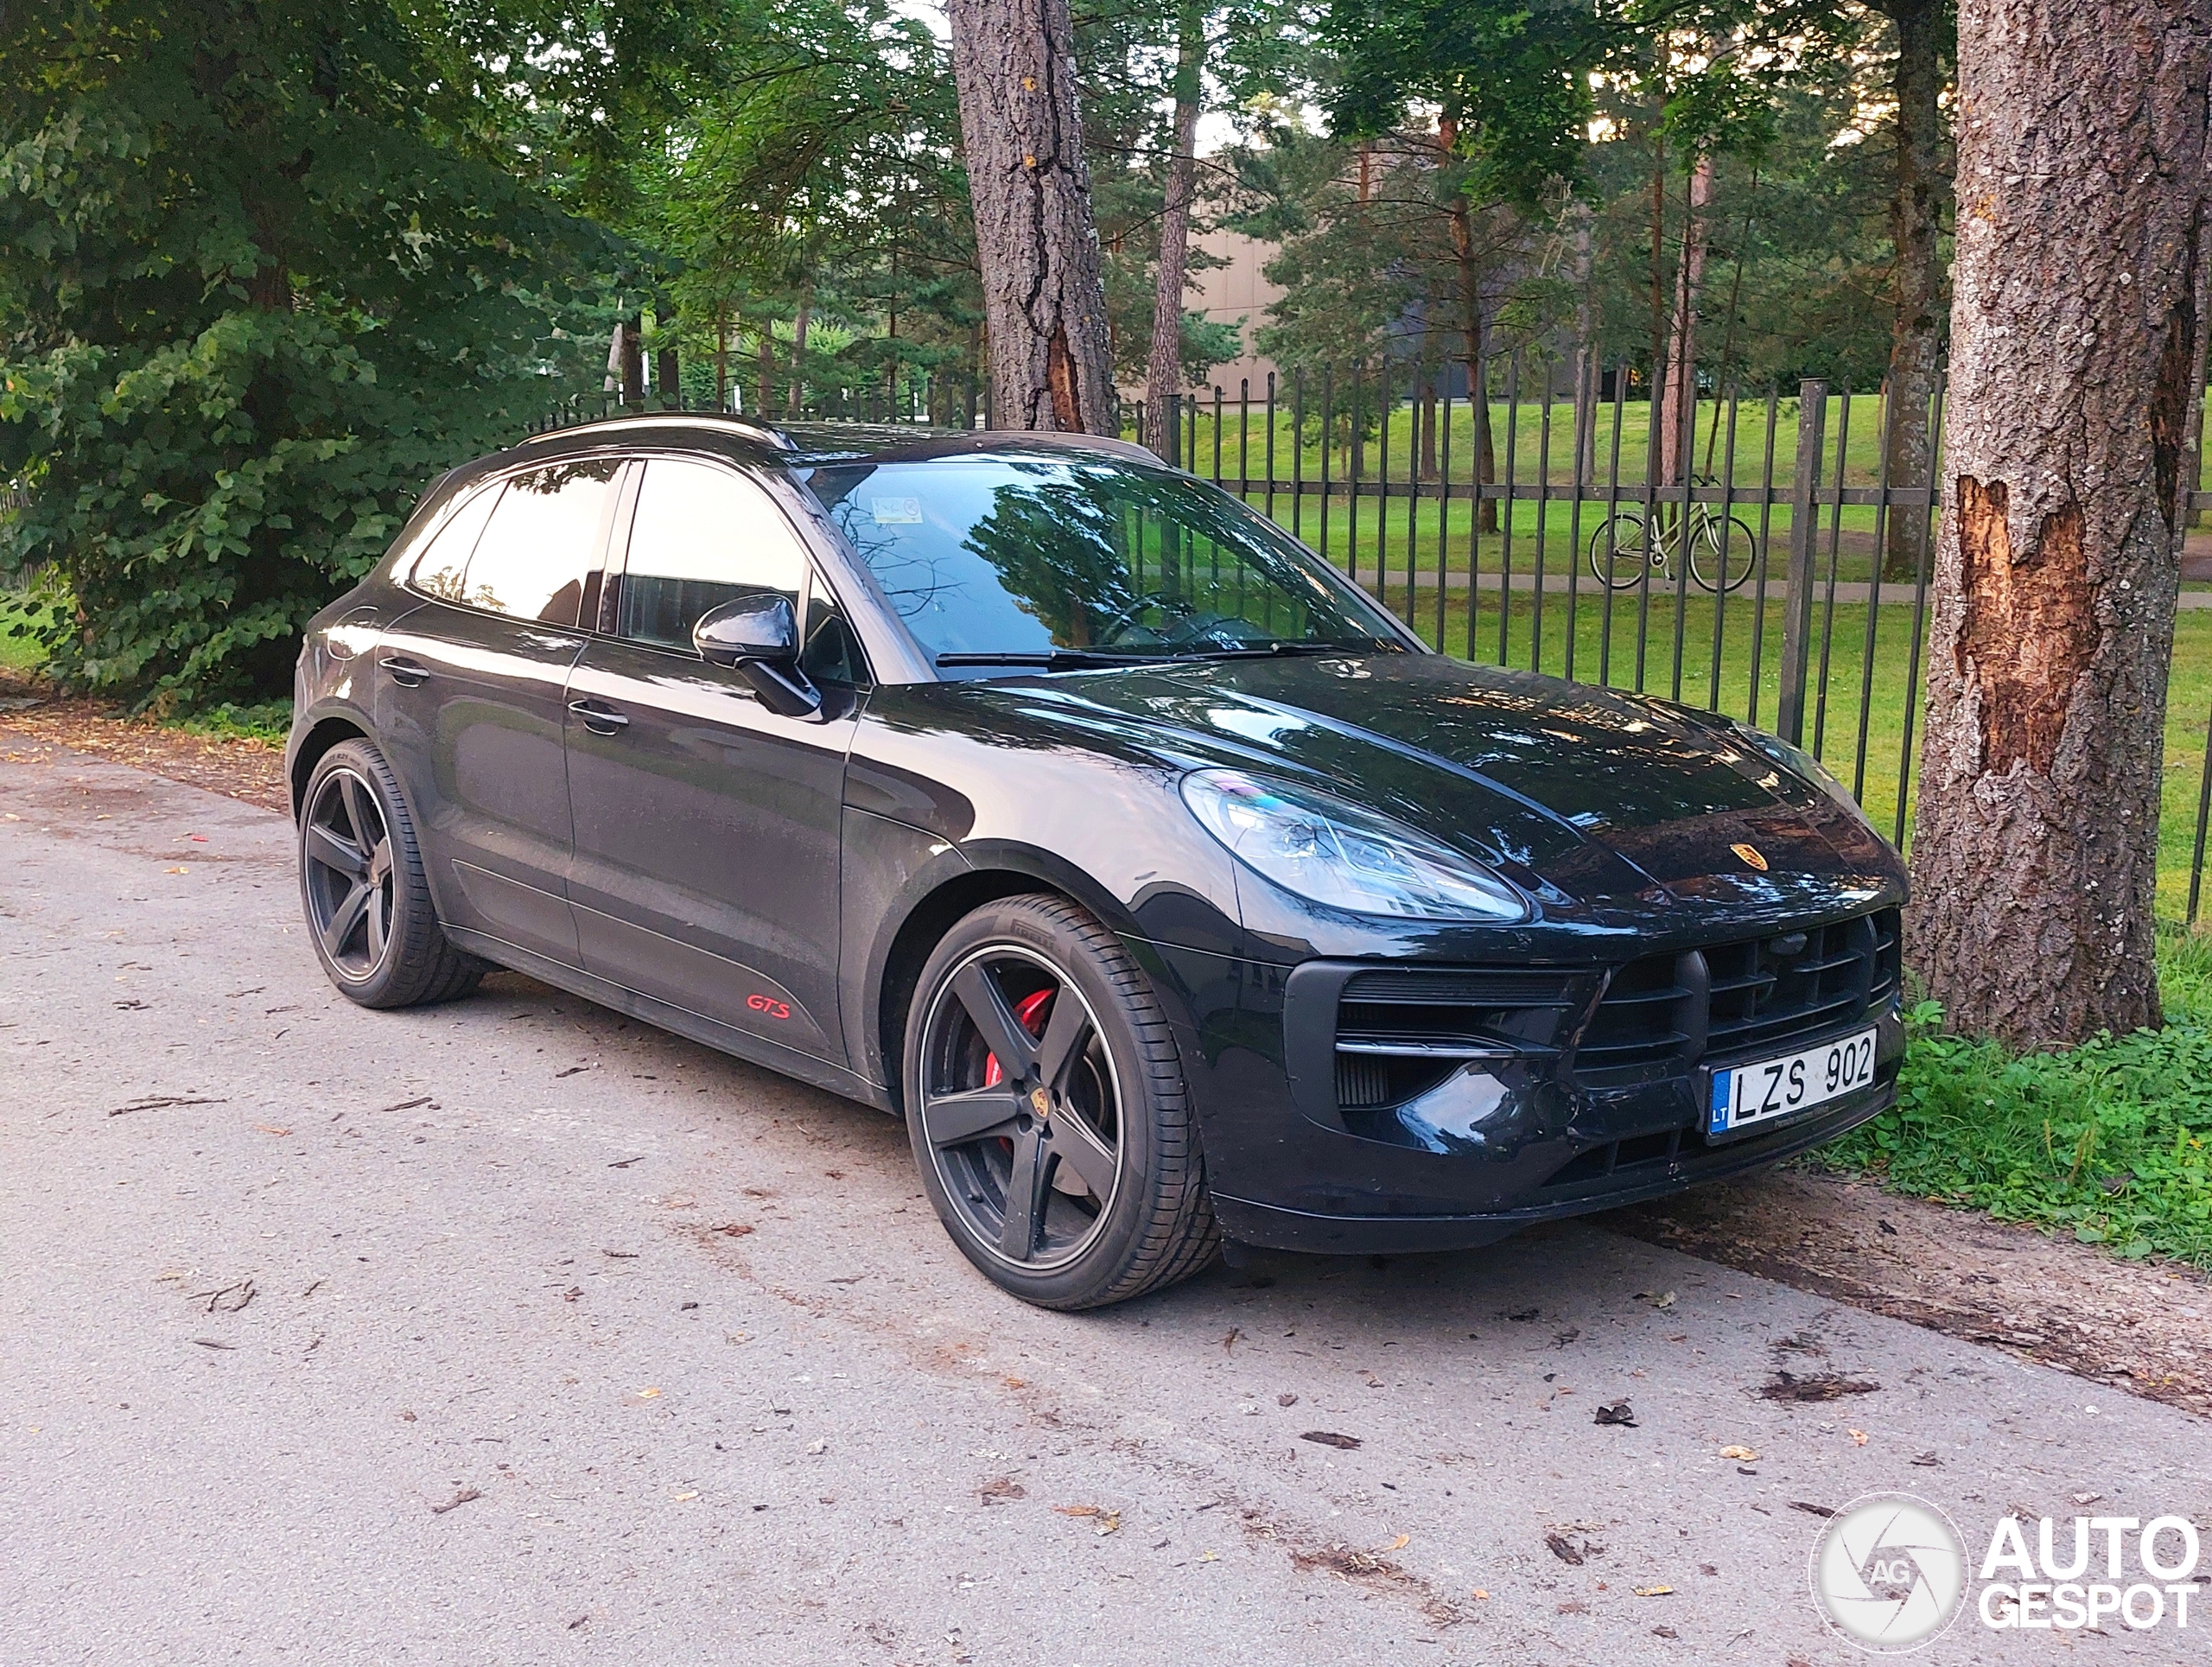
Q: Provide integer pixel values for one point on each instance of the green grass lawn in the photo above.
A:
(1235, 450)
(2111, 1141)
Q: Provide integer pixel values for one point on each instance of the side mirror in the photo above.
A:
(758, 636)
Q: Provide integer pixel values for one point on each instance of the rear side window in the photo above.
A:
(702, 536)
(441, 569)
(532, 560)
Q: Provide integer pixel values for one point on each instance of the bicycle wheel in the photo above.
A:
(1727, 550)
(1618, 553)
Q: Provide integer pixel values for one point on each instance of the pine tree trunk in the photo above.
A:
(1044, 298)
(798, 352)
(1585, 370)
(2077, 354)
(1471, 335)
(1680, 389)
(1164, 369)
(1916, 202)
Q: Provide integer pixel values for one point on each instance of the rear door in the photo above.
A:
(470, 697)
(706, 826)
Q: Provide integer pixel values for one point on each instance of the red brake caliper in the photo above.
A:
(1030, 1009)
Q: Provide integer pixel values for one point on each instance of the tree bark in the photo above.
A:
(1915, 208)
(1164, 369)
(1680, 395)
(1036, 242)
(1469, 263)
(2077, 354)
(798, 351)
(1586, 389)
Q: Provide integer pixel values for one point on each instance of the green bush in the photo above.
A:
(253, 298)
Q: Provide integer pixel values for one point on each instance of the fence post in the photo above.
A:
(1804, 510)
(2203, 817)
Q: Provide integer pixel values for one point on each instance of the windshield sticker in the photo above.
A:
(896, 511)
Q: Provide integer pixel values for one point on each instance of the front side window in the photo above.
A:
(532, 559)
(701, 536)
(1005, 554)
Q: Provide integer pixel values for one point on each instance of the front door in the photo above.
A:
(706, 826)
(470, 697)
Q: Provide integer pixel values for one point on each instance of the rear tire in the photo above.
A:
(1618, 552)
(1706, 554)
(368, 907)
(1071, 1176)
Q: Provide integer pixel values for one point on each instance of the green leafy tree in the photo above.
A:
(254, 295)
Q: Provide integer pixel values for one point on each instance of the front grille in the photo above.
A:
(1401, 1030)
(1665, 1012)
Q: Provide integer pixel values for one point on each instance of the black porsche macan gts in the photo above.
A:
(1040, 793)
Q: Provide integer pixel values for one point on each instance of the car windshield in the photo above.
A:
(1056, 560)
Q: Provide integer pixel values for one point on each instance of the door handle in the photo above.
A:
(406, 673)
(599, 719)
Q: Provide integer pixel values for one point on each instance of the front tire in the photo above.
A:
(1045, 1101)
(368, 907)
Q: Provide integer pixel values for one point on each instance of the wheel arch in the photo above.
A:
(997, 871)
(327, 732)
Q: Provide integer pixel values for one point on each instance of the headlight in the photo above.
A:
(1330, 852)
(1798, 763)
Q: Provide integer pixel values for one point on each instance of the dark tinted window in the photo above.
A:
(532, 558)
(441, 568)
(1004, 552)
(702, 536)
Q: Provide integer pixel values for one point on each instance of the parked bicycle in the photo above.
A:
(1719, 548)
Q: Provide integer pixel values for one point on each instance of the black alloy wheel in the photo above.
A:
(346, 862)
(368, 907)
(1046, 1105)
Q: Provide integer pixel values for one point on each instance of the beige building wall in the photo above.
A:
(1230, 293)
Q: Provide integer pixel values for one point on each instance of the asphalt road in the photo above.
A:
(511, 1330)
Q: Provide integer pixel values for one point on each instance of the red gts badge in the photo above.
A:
(768, 1005)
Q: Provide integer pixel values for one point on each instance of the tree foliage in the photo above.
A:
(255, 298)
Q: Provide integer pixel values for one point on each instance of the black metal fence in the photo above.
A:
(1764, 564)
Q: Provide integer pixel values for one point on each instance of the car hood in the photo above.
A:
(1577, 792)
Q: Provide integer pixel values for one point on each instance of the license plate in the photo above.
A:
(1747, 1094)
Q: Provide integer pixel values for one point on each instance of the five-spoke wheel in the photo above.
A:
(1046, 1103)
(1020, 1106)
(369, 909)
(346, 862)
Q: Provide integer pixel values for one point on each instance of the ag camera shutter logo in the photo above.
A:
(1889, 1573)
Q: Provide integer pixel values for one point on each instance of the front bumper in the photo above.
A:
(1489, 1146)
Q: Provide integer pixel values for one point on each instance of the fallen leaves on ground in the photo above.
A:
(1617, 1412)
(1821, 1386)
(1741, 1454)
(999, 1489)
(1655, 1591)
(1657, 1299)
(1331, 1438)
(460, 1498)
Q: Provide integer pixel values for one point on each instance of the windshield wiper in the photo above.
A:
(1052, 660)
(1272, 649)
